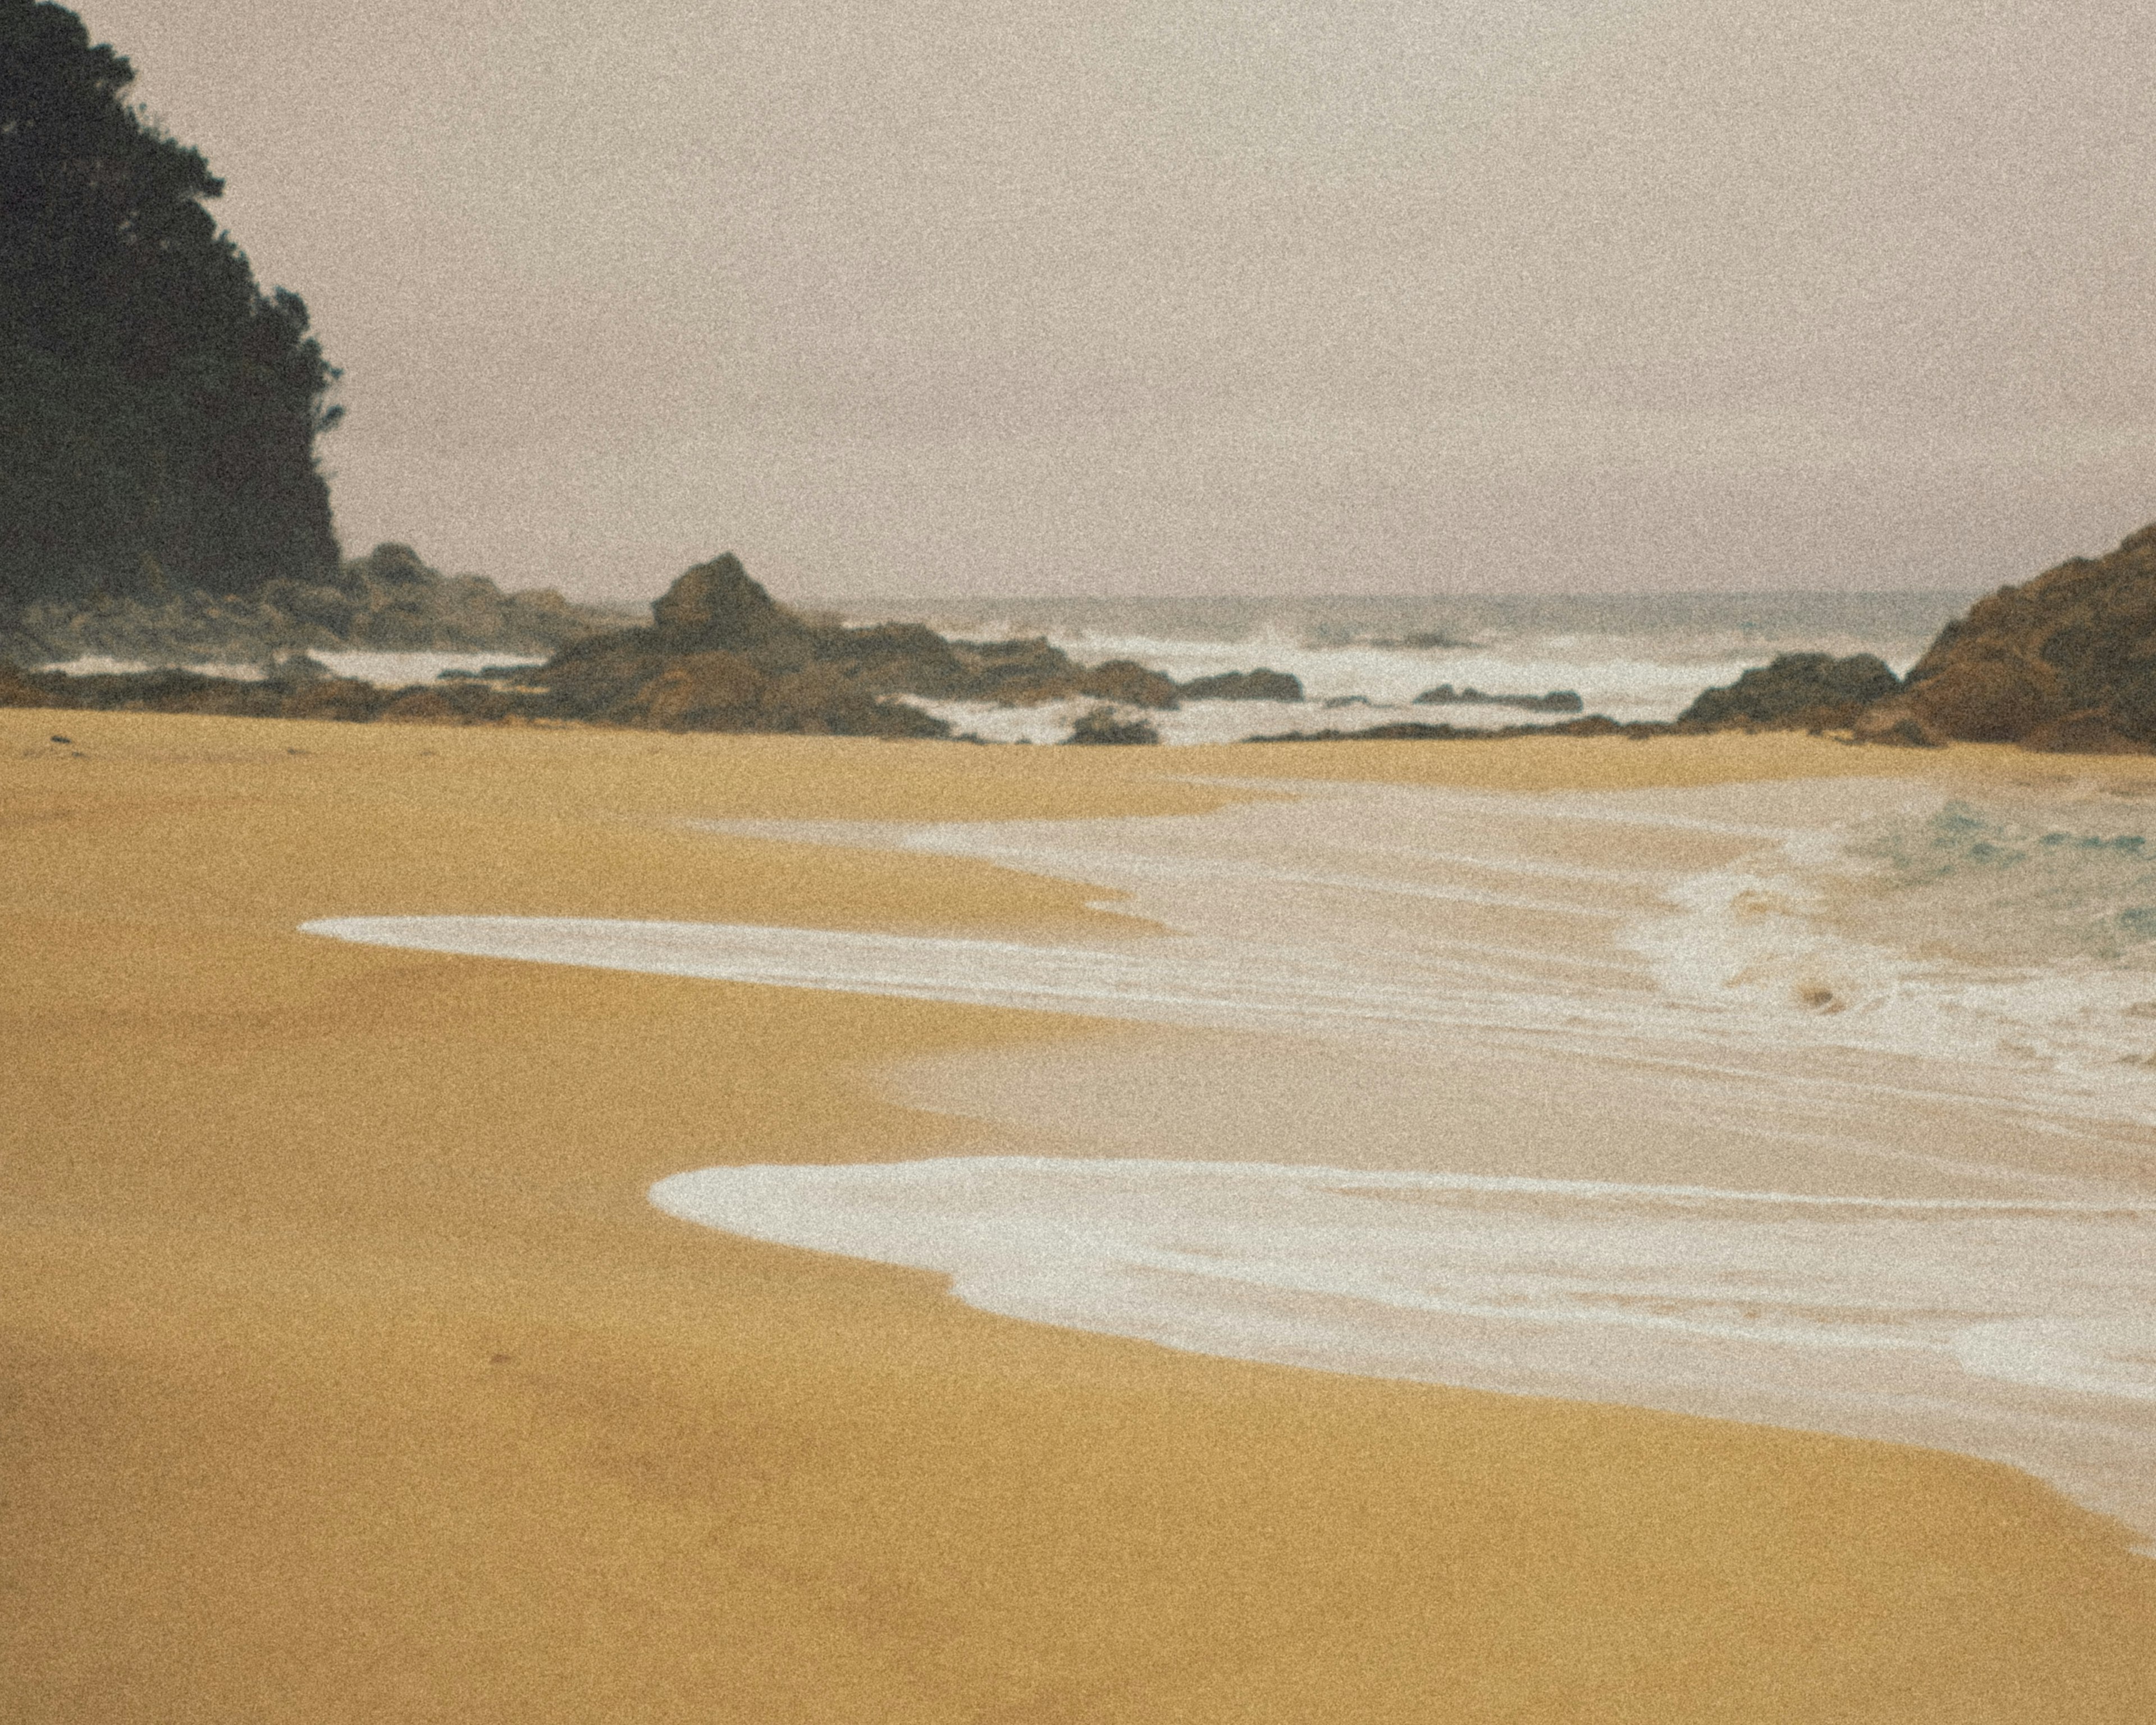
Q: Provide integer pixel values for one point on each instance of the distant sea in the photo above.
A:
(1364, 659)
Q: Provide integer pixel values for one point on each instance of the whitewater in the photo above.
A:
(1828, 1104)
(1364, 660)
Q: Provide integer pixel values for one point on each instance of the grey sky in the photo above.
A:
(1224, 295)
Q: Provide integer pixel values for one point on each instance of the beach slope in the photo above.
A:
(348, 1375)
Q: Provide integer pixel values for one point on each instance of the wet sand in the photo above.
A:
(349, 1375)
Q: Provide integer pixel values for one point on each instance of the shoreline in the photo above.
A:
(1618, 1175)
(357, 1379)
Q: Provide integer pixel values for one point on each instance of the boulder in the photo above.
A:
(1104, 725)
(1797, 691)
(700, 692)
(1127, 681)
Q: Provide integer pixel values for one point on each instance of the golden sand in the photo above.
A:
(348, 1376)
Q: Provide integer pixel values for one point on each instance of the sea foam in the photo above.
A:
(2019, 1330)
(1930, 1212)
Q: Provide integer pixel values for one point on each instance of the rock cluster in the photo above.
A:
(1558, 701)
(722, 654)
(387, 601)
(288, 692)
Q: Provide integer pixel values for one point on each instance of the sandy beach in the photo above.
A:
(351, 1376)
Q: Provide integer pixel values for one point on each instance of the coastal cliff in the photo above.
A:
(2065, 663)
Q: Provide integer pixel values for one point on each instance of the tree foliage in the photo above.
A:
(157, 411)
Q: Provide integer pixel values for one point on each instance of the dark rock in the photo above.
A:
(1426, 641)
(716, 606)
(1104, 725)
(344, 698)
(387, 600)
(2066, 661)
(700, 691)
(2092, 733)
(1558, 701)
(1797, 691)
(421, 707)
(1259, 685)
(1127, 681)
(388, 565)
(909, 659)
(1881, 726)
(1414, 731)
(21, 688)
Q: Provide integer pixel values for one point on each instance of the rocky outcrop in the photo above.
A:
(1558, 701)
(1797, 691)
(715, 607)
(1259, 685)
(721, 653)
(297, 697)
(2065, 662)
(387, 601)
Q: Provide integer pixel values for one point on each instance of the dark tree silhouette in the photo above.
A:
(157, 411)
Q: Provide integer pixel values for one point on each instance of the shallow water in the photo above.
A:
(1826, 1104)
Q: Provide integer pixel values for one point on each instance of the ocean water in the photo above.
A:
(1629, 656)
(1828, 1104)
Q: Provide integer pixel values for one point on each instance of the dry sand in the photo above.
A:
(349, 1376)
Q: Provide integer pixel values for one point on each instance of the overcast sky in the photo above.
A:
(1204, 295)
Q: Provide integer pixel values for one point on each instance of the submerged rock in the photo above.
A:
(1259, 685)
